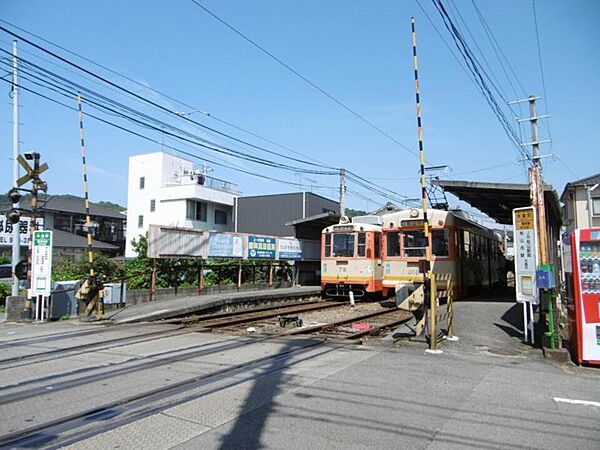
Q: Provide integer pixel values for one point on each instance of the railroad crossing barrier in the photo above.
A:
(423, 302)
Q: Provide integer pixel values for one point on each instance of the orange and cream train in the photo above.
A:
(373, 259)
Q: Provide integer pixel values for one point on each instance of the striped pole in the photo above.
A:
(421, 151)
(88, 221)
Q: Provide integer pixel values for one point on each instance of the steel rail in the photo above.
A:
(217, 323)
(39, 432)
(193, 318)
(336, 323)
(93, 345)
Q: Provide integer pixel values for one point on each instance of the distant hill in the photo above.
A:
(6, 204)
(355, 212)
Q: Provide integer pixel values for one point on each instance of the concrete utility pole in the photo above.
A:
(16, 244)
(536, 182)
(342, 192)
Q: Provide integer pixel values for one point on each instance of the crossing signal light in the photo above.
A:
(21, 269)
(13, 216)
(14, 195)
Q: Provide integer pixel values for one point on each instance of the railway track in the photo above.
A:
(49, 354)
(72, 428)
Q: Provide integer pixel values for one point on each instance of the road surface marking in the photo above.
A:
(576, 402)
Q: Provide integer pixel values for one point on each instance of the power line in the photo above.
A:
(476, 70)
(178, 101)
(539, 52)
(163, 125)
(305, 79)
(144, 99)
(192, 155)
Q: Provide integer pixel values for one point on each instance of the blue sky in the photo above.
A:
(358, 51)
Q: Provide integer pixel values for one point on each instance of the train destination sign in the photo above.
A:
(226, 245)
(260, 247)
(289, 249)
(525, 236)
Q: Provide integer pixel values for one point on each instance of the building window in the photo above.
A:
(220, 217)
(196, 210)
(140, 221)
(142, 182)
(596, 206)
(152, 205)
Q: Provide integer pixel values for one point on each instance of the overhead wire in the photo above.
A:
(476, 70)
(151, 89)
(141, 98)
(305, 79)
(117, 126)
(210, 145)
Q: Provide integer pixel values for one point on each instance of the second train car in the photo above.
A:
(371, 259)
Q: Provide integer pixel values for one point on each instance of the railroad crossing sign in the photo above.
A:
(32, 174)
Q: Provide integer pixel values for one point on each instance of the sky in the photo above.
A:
(359, 52)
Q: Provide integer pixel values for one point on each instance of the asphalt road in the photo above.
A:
(488, 390)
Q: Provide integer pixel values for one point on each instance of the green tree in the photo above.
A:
(78, 269)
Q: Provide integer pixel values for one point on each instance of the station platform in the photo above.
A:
(195, 304)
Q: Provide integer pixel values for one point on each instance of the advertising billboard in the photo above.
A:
(6, 230)
(289, 249)
(224, 245)
(261, 247)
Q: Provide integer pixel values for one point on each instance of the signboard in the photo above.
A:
(6, 230)
(260, 247)
(174, 242)
(525, 232)
(226, 245)
(289, 249)
(41, 263)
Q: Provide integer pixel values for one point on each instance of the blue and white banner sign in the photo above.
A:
(260, 247)
(289, 249)
(226, 245)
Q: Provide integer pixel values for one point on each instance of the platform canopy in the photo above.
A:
(497, 200)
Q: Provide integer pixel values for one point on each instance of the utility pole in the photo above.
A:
(536, 192)
(16, 244)
(342, 192)
(536, 182)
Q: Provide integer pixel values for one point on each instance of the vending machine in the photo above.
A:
(585, 335)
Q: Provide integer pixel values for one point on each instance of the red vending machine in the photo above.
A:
(585, 336)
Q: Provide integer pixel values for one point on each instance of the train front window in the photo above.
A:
(343, 245)
(415, 244)
(439, 243)
(393, 243)
(328, 245)
(362, 244)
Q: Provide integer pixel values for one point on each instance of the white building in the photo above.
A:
(164, 189)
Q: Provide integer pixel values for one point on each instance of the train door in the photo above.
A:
(460, 254)
(378, 269)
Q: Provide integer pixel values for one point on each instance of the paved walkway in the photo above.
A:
(197, 303)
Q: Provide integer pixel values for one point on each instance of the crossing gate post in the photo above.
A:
(201, 277)
(450, 307)
(433, 310)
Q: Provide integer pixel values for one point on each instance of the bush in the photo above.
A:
(5, 291)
